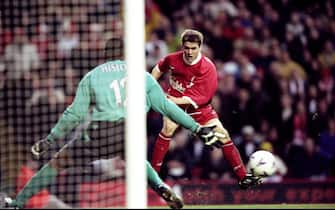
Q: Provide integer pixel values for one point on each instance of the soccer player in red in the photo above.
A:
(193, 82)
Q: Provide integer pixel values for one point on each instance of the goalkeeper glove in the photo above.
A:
(208, 136)
(40, 147)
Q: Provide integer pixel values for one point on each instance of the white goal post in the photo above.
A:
(136, 146)
(46, 49)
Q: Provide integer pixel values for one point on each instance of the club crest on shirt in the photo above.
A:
(175, 84)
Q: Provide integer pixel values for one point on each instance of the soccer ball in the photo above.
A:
(262, 163)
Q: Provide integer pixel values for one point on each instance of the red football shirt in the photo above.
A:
(198, 82)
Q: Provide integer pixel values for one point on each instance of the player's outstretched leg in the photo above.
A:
(249, 181)
(233, 157)
(45, 176)
(171, 198)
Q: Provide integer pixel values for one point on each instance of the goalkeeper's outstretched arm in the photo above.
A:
(159, 102)
(71, 117)
(75, 113)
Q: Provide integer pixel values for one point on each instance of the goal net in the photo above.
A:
(46, 47)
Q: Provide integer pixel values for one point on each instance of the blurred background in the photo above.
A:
(276, 66)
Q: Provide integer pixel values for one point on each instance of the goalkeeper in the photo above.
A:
(104, 88)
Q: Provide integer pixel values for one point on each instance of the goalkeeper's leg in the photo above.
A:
(45, 176)
(42, 179)
(156, 183)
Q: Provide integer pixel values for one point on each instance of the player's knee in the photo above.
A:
(225, 135)
(169, 127)
(168, 131)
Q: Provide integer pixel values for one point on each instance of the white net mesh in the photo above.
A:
(45, 49)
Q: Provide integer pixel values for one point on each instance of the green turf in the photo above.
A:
(246, 206)
(257, 206)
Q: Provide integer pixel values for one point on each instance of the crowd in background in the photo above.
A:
(276, 67)
(275, 61)
(46, 47)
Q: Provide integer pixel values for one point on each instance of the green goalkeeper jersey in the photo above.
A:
(102, 93)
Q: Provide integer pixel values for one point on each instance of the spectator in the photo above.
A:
(327, 55)
(67, 41)
(179, 160)
(259, 101)
(285, 122)
(281, 167)
(327, 146)
(287, 66)
(215, 166)
(21, 56)
(46, 100)
(247, 143)
(42, 40)
(47, 94)
(227, 93)
(155, 49)
(304, 161)
(242, 109)
(300, 117)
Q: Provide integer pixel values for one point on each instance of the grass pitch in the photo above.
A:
(256, 206)
(264, 206)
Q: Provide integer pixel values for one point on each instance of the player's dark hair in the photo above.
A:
(190, 35)
(114, 49)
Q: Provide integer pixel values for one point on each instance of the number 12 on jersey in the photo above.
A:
(118, 87)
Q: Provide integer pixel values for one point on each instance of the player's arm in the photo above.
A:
(75, 113)
(200, 93)
(159, 103)
(70, 118)
(156, 73)
(180, 100)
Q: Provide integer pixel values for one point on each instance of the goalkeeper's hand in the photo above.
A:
(40, 147)
(209, 136)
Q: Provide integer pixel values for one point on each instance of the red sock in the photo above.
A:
(160, 149)
(232, 155)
